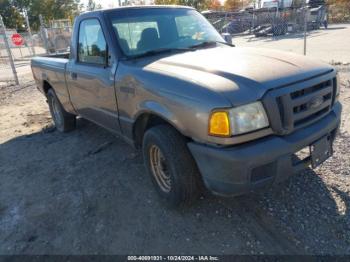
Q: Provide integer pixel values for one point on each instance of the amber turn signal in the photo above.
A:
(219, 124)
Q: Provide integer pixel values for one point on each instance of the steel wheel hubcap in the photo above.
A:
(160, 169)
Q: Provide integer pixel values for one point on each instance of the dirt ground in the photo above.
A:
(86, 192)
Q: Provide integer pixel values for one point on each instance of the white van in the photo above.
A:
(276, 3)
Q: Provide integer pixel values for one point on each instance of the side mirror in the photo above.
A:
(227, 37)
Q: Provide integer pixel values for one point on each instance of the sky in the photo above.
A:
(104, 3)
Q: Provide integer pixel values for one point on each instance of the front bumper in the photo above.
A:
(243, 168)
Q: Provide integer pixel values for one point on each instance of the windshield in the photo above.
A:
(142, 30)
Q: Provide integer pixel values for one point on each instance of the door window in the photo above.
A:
(92, 47)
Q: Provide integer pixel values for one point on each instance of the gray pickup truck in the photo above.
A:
(204, 112)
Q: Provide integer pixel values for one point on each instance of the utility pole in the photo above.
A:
(7, 45)
(305, 25)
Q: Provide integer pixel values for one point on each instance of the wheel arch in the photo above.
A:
(149, 118)
(46, 86)
(63, 99)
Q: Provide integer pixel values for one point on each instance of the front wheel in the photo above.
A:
(171, 166)
(63, 120)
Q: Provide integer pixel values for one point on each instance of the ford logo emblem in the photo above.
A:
(316, 102)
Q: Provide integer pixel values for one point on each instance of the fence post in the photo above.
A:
(253, 16)
(43, 33)
(30, 32)
(8, 49)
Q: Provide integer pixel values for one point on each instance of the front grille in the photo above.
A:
(299, 105)
(311, 103)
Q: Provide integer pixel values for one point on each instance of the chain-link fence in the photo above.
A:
(339, 13)
(7, 66)
(268, 21)
(16, 49)
(55, 36)
(308, 27)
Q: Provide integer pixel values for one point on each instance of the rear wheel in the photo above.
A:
(171, 166)
(63, 120)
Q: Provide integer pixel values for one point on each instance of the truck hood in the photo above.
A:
(240, 74)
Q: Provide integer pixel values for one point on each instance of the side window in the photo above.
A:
(92, 47)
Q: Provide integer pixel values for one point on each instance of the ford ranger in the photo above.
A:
(203, 111)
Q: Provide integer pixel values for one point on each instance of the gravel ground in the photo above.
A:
(86, 192)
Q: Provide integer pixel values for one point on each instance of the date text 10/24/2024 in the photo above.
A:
(173, 258)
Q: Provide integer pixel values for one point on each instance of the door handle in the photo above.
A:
(74, 76)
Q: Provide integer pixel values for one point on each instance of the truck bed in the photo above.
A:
(51, 69)
(60, 55)
(45, 63)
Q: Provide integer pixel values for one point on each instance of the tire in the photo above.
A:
(64, 121)
(175, 175)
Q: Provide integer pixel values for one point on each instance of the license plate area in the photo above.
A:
(320, 151)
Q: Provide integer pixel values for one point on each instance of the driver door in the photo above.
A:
(91, 79)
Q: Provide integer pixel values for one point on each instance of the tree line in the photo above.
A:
(201, 5)
(14, 11)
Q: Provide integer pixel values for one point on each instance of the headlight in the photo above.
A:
(238, 120)
(248, 118)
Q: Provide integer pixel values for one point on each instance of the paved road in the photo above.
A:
(332, 44)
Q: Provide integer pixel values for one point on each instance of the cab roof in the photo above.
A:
(137, 7)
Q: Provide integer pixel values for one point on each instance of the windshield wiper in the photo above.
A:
(159, 51)
(182, 49)
(209, 43)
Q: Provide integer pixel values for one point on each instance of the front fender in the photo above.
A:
(144, 110)
(155, 108)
